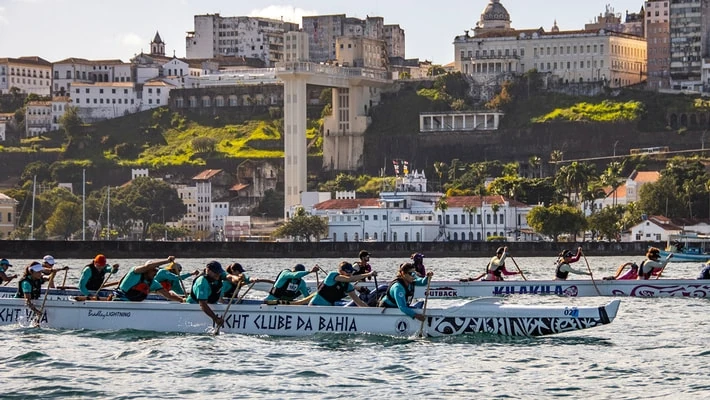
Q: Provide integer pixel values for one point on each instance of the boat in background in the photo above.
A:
(687, 248)
(486, 315)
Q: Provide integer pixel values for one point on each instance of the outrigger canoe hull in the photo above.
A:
(462, 317)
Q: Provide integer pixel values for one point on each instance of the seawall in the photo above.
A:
(36, 249)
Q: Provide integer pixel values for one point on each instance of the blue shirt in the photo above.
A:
(164, 275)
(399, 293)
(201, 288)
(329, 280)
(86, 276)
(287, 275)
(227, 284)
(132, 279)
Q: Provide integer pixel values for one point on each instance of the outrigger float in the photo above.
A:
(462, 317)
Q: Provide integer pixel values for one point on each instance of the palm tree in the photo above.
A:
(555, 157)
(495, 207)
(470, 209)
(442, 205)
(611, 177)
(440, 167)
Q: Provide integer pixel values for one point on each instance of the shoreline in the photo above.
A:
(151, 249)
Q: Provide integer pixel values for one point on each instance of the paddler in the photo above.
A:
(140, 281)
(337, 284)
(4, 265)
(652, 265)
(30, 286)
(207, 289)
(400, 292)
(93, 276)
(171, 277)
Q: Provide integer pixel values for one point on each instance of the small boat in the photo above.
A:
(486, 315)
(687, 248)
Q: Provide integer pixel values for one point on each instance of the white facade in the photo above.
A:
(59, 107)
(409, 214)
(295, 46)
(495, 50)
(188, 195)
(79, 70)
(38, 118)
(104, 100)
(255, 37)
(3, 130)
(28, 74)
(219, 210)
(155, 94)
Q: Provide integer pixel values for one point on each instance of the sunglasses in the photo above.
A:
(414, 274)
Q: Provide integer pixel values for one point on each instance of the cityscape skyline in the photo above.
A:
(113, 38)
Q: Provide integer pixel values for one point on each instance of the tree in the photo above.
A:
(72, 123)
(470, 209)
(535, 162)
(442, 205)
(149, 200)
(612, 177)
(66, 220)
(606, 222)
(440, 168)
(556, 220)
(303, 227)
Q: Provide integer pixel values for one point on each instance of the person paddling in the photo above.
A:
(400, 292)
(652, 265)
(4, 265)
(93, 276)
(207, 289)
(289, 284)
(705, 272)
(48, 263)
(337, 284)
(30, 286)
(418, 262)
(562, 265)
(496, 267)
(140, 281)
(171, 277)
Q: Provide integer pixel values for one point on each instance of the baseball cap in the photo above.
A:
(48, 259)
(174, 268)
(36, 267)
(6, 263)
(100, 260)
(299, 267)
(346, 267)
(215, 266)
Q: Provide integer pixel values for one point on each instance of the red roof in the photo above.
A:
(346, 204)
(207, 174)
(239, 186)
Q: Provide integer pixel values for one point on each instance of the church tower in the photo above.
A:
(157, 47)
(493, 18)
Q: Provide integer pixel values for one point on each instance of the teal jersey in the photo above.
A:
(201, 288)
(132, 279)
(318, 300)
(172, 280)
(399, 293)
(284, 278)
(227, 285)
(86, 276)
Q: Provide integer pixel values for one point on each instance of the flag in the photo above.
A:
(396, 167)
(405, 167)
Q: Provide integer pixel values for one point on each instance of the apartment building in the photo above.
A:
(27, 74)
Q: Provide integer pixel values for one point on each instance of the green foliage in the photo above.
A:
(272, 205)
(606, 111)
(72, 123)
(65, 220)
(203, 144)
(556, 220)
(606, 222)
(303, 227)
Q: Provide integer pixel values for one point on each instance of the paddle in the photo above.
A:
(426, 300)
(64, 281)
(664, 267)
(8, 281)
(44, 302)
(519, 270)
(103, 284)
(231, 299)
(590, 273)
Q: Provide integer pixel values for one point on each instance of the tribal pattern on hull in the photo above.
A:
(650, 290)
(533, 326)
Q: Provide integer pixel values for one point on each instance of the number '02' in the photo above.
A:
(572, 312)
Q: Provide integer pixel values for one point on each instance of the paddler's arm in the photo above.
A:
(28, 299)
(355, 278)
(207, 310)
(85, 275)
(169, 295)
(155, 264)
(356, 299)
(401, 299)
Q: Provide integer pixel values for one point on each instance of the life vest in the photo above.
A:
(497, 273)
(215, 290)
(288, 289)
(138, 292)
(167, 285)
(642, 274)
(559, 274)
(96, 279)
(36, 288)
(705, 273)
(408, 290)
(334, 292)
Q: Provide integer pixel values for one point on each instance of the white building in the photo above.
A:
(156, 93)
(496, 50)
(627, 192)
(78, 70)
(104, 100)
(59, 107)
(410, 214)
(203, 185)
(27, 74)
(38, 118)
(257, 37)
(188, 195)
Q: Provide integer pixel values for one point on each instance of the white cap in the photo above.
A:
(48, 259)
(36, 268)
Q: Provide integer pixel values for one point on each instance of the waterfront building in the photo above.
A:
(627, 192)
(256, 37)
(8, 211)
(410, 213)
(28, 74)
(323, 32)
(496, 51)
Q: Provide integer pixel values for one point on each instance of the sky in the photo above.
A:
(102, 29)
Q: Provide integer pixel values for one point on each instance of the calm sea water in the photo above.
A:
(656, 348)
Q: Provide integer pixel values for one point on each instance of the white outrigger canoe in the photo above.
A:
(449, 289)
(484, 315)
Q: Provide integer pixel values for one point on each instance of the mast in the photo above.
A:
(34, 193)
(83, 204)
(108, 212)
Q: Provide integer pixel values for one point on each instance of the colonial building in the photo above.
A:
(78, 70)
(27, 74)
(324, 30)
(257, 37)
(496, 50)
(8, 210)
(410, 213)
(38, 118)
